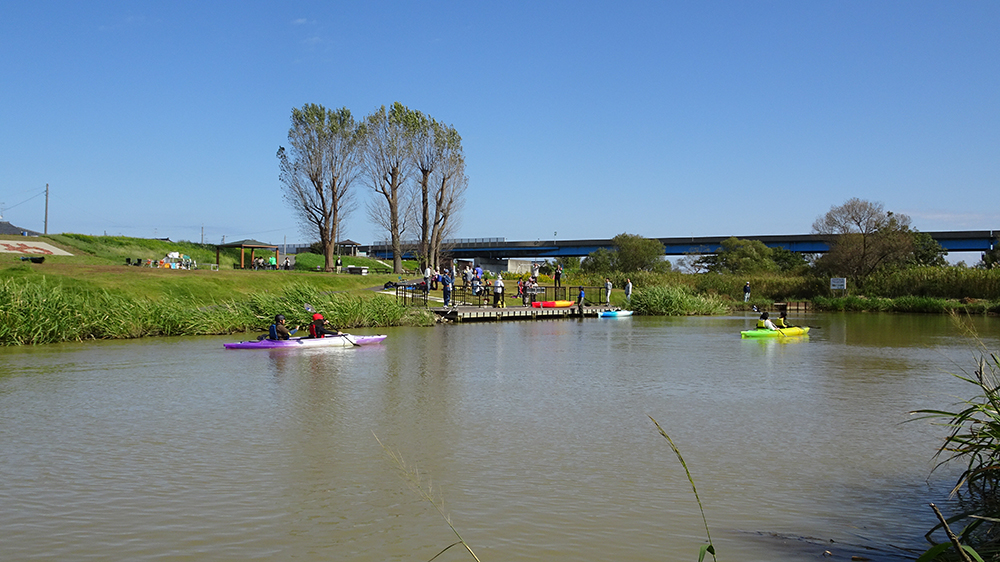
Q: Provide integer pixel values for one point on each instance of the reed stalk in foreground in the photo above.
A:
(412, 478)
(973, 439)
(709, 548)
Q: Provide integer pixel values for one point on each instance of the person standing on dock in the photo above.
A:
(446, 282)
(558, 275)
(607, 287)
(498, 292)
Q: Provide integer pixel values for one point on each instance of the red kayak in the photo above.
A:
(553, 304)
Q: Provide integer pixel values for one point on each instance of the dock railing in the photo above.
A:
(465, 295)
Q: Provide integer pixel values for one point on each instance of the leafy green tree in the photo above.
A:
(635, 253)
(863, 238)
(569, 262)
(787, 260)
(318, 168)
(927, 251)
(600, 260)
(742, 256)
(631, 253)
(991, 258)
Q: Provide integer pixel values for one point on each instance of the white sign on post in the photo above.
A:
(838, 283)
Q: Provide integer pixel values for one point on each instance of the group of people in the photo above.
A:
(447, 282)
(482, 285)
(607, 291)
(527, 290)
(319, 328)
(475, 278)
(765, 323)
(258, 264)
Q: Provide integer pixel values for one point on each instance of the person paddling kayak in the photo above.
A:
(764, 323)
(278, 330)
(318, 328)
(782, 321)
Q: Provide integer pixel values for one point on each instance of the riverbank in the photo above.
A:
(44, 311)
(91, 294)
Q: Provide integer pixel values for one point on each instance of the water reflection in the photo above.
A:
(534, 432)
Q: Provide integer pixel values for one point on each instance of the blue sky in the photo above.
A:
(585, 119)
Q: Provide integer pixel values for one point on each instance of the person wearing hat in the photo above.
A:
(278, 330)
(746, 292)
(318, 328)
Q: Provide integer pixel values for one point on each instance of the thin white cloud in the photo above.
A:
(125, 22)
(956, 220)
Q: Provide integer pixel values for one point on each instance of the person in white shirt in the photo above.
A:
(765, 323)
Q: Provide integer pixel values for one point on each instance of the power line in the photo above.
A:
(37, 195)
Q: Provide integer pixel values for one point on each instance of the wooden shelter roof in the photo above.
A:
(248, 243)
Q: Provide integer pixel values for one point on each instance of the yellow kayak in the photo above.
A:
(782, 332)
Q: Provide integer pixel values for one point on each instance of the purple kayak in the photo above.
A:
(346, 340)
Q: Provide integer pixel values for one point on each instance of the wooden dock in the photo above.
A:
(801, 306)
(481, 314)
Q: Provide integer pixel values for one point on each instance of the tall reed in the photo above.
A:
(941, 282)
(973, 440)
(414, 480)
(674, 300)
(709, 548)
(37, 312)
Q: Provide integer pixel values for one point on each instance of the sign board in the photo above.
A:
(39, 248)
(838, 283)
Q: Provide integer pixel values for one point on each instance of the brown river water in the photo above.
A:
(533, 436)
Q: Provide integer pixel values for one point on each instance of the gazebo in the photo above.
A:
(243, 245)
(350, 247)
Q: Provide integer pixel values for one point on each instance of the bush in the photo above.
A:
(674, 300)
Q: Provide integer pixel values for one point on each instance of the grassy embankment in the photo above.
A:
(919, 290)
(91, 295)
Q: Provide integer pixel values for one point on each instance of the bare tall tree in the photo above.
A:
(450, 184)
(317, 170)
(449, 199)
(427, 156)
(863, 238)
(388, 165)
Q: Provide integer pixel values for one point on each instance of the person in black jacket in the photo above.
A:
(278, 330)
(318, 328)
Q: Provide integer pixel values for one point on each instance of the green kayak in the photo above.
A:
(765, 333)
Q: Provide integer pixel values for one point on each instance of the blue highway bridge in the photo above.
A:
(501, 248)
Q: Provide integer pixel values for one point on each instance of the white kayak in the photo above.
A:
(344, 340)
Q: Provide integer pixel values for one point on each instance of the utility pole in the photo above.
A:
(203, 234)
(46, 209)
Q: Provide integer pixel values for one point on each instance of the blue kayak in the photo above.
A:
(616, 313)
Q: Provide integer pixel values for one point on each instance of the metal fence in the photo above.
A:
(463, 295)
